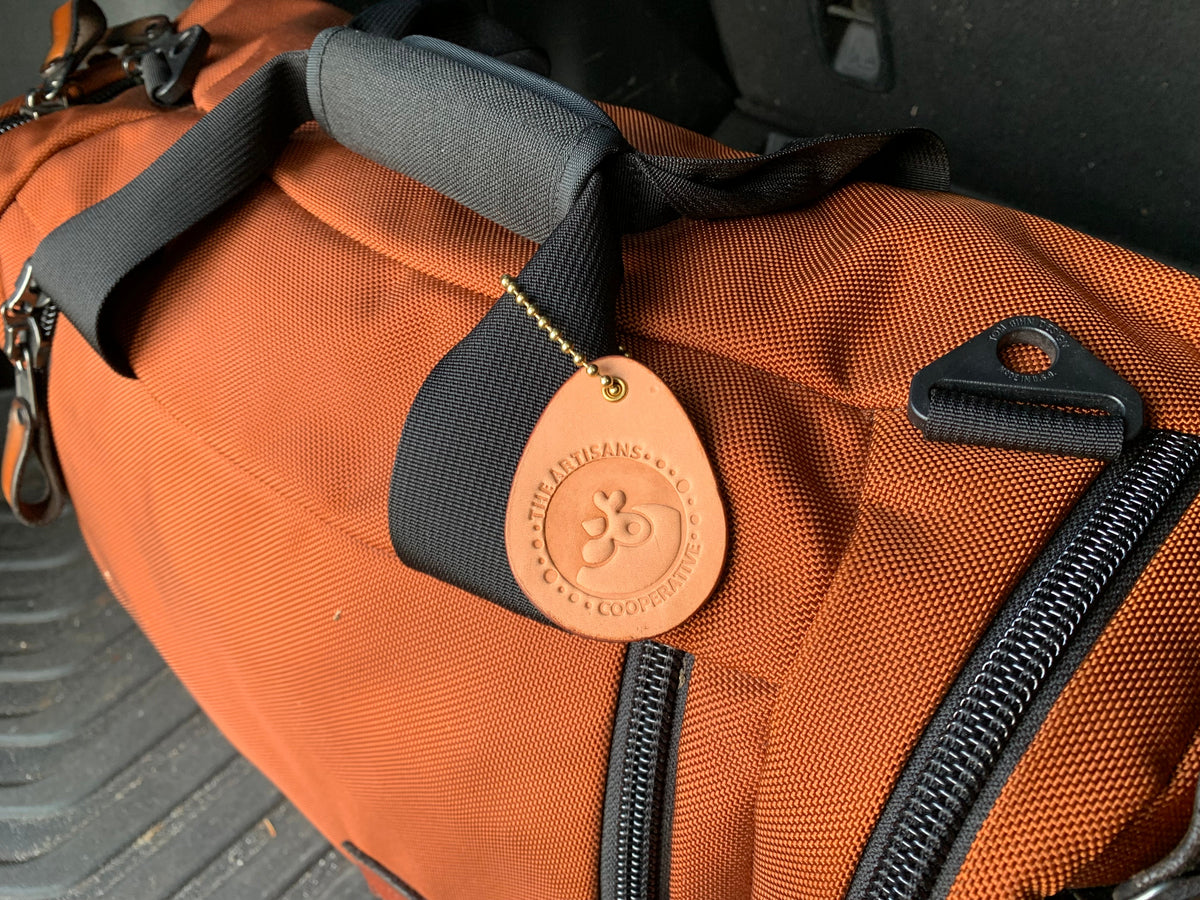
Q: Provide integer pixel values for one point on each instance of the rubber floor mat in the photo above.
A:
(112, 782)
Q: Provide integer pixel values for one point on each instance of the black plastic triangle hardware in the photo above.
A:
(970, 395)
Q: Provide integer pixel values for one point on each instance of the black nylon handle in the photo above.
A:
(509, 144)
(539, 171)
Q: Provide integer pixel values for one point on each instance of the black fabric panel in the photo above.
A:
(456, 22)
(640, 787)
(660, 56)
(81, 262)
(958, 417)
(452, 21)
(394, 18)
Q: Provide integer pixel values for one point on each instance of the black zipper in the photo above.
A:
(8, 123)
(100, 95)
(948, 776)
(635, 845)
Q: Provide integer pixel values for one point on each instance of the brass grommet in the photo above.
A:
(615, 390)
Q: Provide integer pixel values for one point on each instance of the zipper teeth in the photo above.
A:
(48, 320)
(642, 771)
(1017, 667)
(8, 123)
(100, 95)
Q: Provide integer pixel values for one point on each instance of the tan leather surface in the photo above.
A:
(615, 527)
(62, 30)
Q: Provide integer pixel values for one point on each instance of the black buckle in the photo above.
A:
(170, 62)
(1026, 411)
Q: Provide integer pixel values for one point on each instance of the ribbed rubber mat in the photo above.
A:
(112, 782)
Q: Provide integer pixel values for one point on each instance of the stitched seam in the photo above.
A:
(259, 476)
(562, 204)
(322, 116)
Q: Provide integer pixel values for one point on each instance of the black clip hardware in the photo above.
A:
(169, 62)
(1077, 406)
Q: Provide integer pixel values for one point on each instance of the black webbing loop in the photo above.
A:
(1074, 406)
(959, 417)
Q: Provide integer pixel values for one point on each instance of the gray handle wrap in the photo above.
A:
(513, 146)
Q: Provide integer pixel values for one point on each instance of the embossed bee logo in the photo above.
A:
(625, 540)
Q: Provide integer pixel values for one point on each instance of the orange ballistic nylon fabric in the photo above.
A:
(719, 759)
(236, 495)
(1106, 738)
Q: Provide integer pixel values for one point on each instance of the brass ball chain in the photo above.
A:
(613, 388)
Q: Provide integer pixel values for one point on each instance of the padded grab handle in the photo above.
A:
(513, 146)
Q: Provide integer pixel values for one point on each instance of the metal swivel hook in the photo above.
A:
(28, 317)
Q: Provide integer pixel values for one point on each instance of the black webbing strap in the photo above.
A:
(453, 527)
(959, 417)
(81, 262)
(462, 437)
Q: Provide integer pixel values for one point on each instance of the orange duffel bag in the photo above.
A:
(555, 503)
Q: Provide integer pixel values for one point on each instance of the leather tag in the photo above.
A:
(615, 526)
(62, 30)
